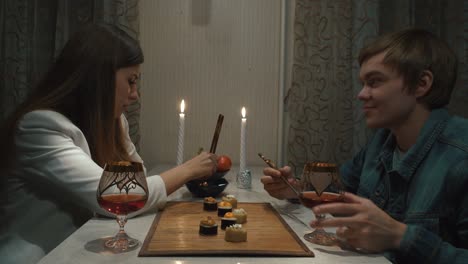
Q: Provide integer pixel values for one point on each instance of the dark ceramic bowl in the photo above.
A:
(211, 187)
(218, 175)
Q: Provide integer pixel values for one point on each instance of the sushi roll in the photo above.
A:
(208, 227)
(223, 208)
(235, 233)
(210, 204)
(240, 215)
(231, 199)
(227, 220)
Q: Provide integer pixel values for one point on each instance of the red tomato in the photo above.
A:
(224, 163)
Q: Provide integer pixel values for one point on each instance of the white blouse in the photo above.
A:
(52, 190)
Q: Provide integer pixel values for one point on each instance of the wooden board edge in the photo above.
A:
(293, 234)
(144, 247)
(222, 253)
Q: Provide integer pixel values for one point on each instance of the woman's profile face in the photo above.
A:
(126, 88)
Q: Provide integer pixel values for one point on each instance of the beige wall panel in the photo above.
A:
(218, 55)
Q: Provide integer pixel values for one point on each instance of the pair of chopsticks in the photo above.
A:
(273, 166)
(214, 141)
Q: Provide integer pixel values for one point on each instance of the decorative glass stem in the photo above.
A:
(121, 241)
(122, 220)
(320, 236)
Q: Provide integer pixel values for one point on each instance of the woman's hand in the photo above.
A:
(201, 166)
(274, 185)
(361, 224)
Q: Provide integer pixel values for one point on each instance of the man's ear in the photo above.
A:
(424, 83)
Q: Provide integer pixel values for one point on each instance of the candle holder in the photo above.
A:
(244, 179)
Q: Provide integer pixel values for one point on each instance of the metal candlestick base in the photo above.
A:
(244, 179)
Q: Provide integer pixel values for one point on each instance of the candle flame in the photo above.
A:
(182, 106)
(243, 112)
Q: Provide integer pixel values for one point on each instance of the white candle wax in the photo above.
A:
(180, 142)
(242, 159)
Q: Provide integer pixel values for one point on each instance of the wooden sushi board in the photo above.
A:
(174, 232)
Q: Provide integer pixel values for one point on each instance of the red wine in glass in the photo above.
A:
(122, 204)
(310, 198)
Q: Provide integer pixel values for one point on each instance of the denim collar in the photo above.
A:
(431, 130)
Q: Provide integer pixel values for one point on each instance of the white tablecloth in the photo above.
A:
(77, 248)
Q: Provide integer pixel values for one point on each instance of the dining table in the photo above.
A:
(77, 248)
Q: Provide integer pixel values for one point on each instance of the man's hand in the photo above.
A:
(361, 224)
(274, 185)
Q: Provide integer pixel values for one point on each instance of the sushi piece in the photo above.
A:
(235, 233)
(208, 227)
(231, 199)
(223, 208)
(240, 215)
(210, 204)
(227, 220)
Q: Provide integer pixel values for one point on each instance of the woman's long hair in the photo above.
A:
(81, 86)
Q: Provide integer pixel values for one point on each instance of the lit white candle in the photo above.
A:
(242, 163)
(180, 142)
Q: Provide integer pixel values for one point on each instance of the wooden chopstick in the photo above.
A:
(273, 166)
(214, 142)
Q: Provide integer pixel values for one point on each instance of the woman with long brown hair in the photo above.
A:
(56, 144)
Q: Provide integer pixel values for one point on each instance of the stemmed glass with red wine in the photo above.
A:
(122, 190)
(320, 183)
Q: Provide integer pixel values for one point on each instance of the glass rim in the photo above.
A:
(123, 166)
(320, 166)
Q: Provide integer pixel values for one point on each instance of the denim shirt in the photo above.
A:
(428, 191)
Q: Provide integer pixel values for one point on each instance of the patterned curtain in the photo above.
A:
(34, 31)
(325, 119)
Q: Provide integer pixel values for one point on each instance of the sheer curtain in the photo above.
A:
(34, 31)
(325, 121)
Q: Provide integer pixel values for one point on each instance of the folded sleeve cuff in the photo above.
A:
(419, 244)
